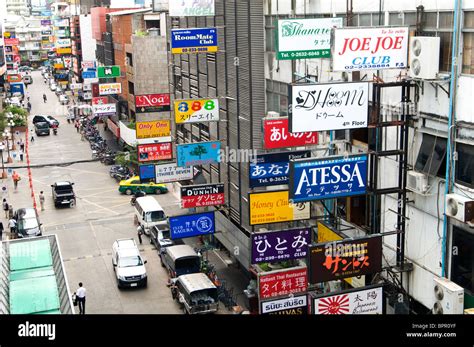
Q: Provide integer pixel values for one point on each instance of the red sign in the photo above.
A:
(152, 103)
(155, 151)
(11, 42)
(276, 135)
(100, 100)
(202, 195)
(95, 89)
(282, 282)
(14, 78)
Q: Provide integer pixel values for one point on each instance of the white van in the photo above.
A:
(128, 264)
(148, 213)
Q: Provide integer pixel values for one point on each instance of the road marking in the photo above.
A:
(97, 205)
(106, 254)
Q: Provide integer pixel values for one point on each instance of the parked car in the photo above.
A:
(63, 99)
(160, 236)
(120, 173)
(42, 128)
(130, 186)
(27, 222)
(25, 68)
(128, 264)
(196, 293)
(180, 260)
(63, 194)
(53, 87)
(45, 118)
(52, 121)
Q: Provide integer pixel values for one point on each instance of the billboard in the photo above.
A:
(273, 169)
(334, 106)
(100, 100)
(274, 207)
(327, 178)
(200, 153)
(185, 8)
(17, 88)
(151, 129)
(294, 305)
(276, 134)
(64, 50)
(152, 103)
(63, 43)
(88, 74)
(345, 258)
(171, 172)
(282, 282)
(104, 109)
(45, 22)
(11, 42)
(14, 78)
(305, 38)
(187, 41)
(108, 71)
(358, 49)
(75, 86)
(110, 88)
(88, 64)
(155, 151)
(193, 110)
(283, 245)
(61, 22)
(202, 195)
(192, 225)
(360, 301)
(147, 173)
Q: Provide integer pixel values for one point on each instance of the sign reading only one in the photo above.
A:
(108, 71)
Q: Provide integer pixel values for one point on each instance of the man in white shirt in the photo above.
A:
(81, 298)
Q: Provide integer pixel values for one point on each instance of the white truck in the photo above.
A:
(128, 264)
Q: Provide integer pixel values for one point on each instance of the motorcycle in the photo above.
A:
(133, 200)
(55, 131)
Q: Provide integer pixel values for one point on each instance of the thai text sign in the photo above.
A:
(366, 301)
(315, 179)
(156, 128)
(104, 109)
(155, 151)
(110, 88)
(273, 169)
(340, 259)
(320, 107)
(185, 41)
(152, 103)
(192, 111)
(305, 38)
(192, 225)
(200, 153)
(202, 195)
(370, 48)
(108, 71)
(170, 172)
(185, 8)
(282, 282)
(276, 246)
(277, 135)
(296, 305)
(274, 207)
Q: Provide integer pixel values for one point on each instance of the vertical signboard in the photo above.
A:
(282, 282)
(360, 301)
(276, 134)
(192, 225)
(186, 41)
(200, 153)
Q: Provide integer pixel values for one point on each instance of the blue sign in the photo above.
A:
(17, 88)
(147, 173)
(185, 41)
(272, 169)
(200, 153)
(316, 179)
(88, 74)
(192, 225)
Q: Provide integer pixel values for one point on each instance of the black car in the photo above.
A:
(42, 128)
(63, 194)
(44, 118)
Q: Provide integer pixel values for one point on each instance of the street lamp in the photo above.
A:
(5, 136)
(4, 174)
(11, 124)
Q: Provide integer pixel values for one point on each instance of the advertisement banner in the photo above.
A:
(305, 38)
(295, 305)
(345, 258)
(88, 74)
(276, 134)
(155, 151)
(110, 88)
(358, 49)
(63, 50)
(152, 103)
(147, 173)
(202, 195)
(274, 207)
(63, 43)
(185, 8)
(67, 62)
(200, 153)
(104, 109)
(192, 225)
(108, 71)
(152, 129)
(327, 178)
(171, 172)
(283, 245)
(187, 41)
(75, 86)
(61, 22)
(193, 110)
(45, 22)
(335, 106)
(273, 169)
(62, 33)
(14, 78)
(365, 301)
(282, 282)
(87, 96)
(88, 64)
(100, 100)
(11, 42)
(17, 88)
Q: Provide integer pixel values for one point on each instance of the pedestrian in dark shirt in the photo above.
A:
(5, 207)
(1, 231)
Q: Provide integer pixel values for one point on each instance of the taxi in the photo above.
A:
(130, 186)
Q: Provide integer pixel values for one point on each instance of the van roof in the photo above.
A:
(149, 203)
(195, 282)
(180, 251)
(126, 243)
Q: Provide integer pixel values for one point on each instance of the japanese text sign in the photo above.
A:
(335, 106)
(108, 71)
(327, 178)
(276, 246)
(200, 153)
(192, 225)
(185, 8)
(185, 41)
(370, 48)
(110, 88)
(340, 259)
(282, 282)
(192, 111)
(170, 172)
(104, 109)
(152, 103)
(156, 128)
(202, 195)
(305, 38)
(155, 151)
(366, 301)
(277, 135)
(296, 305)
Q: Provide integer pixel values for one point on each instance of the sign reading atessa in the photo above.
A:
(152, 103)
(365, 301)
(296, 305)
(282, 282)
(276, 134)
(186, 41)
(202, 195)
(346, 258)
(192, 225)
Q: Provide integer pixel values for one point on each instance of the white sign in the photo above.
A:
(110, 88)
(61, 22)
(166, 173)
(185, 8)
(104, 109)
(370, 49)
(368, 301)
(87, 87)
(75, 86)
(87, 96)
(88, 65)
(284, 304)
(305, 38)
(63, 43)
(335, 106)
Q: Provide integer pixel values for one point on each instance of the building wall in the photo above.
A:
(87, 41)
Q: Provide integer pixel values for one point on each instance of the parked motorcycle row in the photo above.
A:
(98, 144)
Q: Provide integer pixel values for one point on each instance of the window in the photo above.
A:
(277, 97)
(131, 88)
(432, 156)
(468, 43)
(130, 59)
(462, 268)
(465, 165)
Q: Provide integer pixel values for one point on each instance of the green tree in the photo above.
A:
(199, 151)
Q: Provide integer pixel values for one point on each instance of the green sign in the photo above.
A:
(108, 71)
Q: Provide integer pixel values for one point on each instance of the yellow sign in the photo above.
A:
(58, 66)
(64, 50)
(156, 128)
(274, 207)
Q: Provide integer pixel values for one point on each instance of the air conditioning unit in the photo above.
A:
(449, 297)
(424, 57)
(417, 182)
(460, 207)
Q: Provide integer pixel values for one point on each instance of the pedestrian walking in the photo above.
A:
(12, 226)
(5, 207)
(41, 199)
(10, 211)
(140, 233)
(45, 98)
(22, 145)
(1, 231)
(20, 152)
(81, 298)
(16, 178)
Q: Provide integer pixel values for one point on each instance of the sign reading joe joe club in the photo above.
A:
(202, 195)
(152, 103)
(282, 282)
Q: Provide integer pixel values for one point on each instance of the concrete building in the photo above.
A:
(18, 7)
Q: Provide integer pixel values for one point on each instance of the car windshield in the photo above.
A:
(154, 216)
(25, 224)
(130, 261)
(63, 188)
